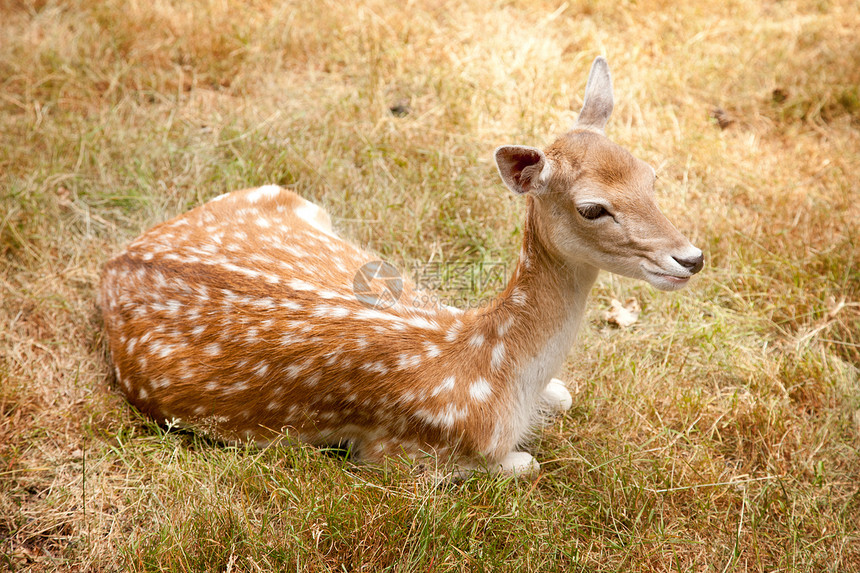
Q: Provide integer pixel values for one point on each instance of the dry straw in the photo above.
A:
(719, 432)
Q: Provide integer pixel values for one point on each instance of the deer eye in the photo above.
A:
(592, 211)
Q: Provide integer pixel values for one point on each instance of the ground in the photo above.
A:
(719, 432)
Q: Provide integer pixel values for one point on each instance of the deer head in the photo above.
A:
(593, 201)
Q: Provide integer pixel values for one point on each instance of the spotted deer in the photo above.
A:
(242, 315)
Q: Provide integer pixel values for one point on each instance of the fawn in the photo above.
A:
(242, 314)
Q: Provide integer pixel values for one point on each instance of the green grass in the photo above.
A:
(720, 433)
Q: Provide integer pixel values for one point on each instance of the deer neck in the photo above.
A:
(540, 311)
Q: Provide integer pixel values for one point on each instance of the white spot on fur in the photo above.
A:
(333, 355)
(263, 192)
(212, 349)
(451, 336)
(480, 390)
(326, 311)
(372, 314)
(237, 387)
(421, 322)
(311, 214)
(375, 367)
(236, 268)
(505, 326)
(207, 248)
(294, 369)
(404, 361)
(264, 303)
(477, 340)
(519, 297)
(498, 355)
(446, 386)
(432, 350)
(313, 379)
(298, 284)
(445, 418)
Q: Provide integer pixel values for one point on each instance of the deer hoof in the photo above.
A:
(556, 396)
(520, 464)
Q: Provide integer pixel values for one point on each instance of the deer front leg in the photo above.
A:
(555, 396)
(520, 464)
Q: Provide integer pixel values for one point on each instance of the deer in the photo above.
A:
(242, 316)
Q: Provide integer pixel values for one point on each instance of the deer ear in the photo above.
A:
(523, 169)
(599, 101)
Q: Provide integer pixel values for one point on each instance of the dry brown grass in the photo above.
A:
(720, 433)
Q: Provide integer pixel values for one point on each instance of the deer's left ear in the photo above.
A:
(599, 100)
(523, 169)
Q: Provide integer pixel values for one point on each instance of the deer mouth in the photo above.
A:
(674, 279)
(665, 281)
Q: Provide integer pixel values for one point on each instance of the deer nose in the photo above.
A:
(692, 264)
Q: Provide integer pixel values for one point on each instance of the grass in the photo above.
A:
(720, 433)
